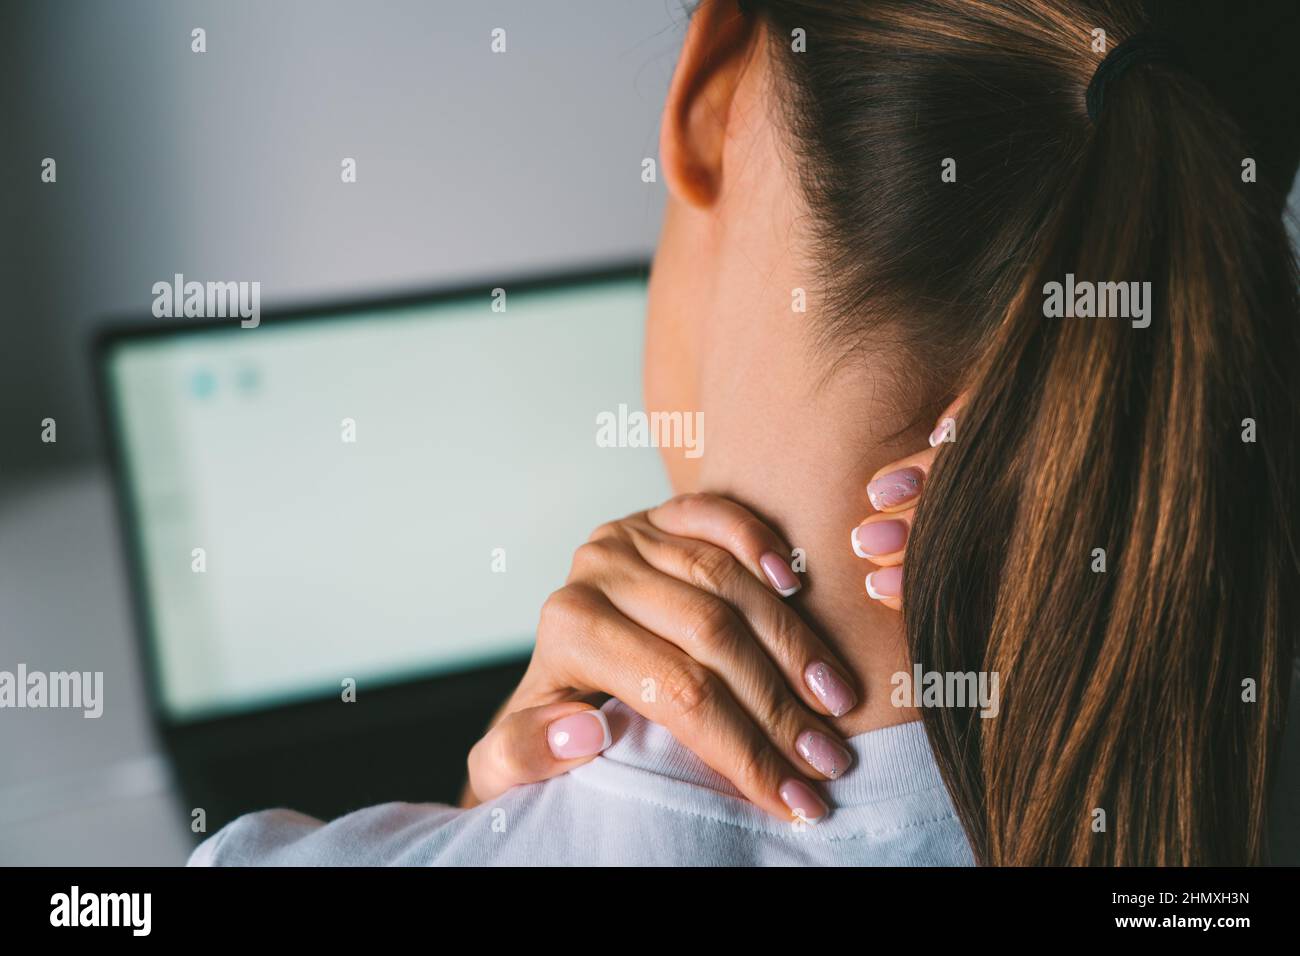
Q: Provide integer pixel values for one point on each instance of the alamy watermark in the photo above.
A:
(922, 688)
(208, 300)
(624, 429)
(1100, 300)
(77, 690)
(75, 908)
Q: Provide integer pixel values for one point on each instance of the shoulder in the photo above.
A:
(288, 838)
(513, 826)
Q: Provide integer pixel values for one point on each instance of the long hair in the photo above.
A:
(1142, 704)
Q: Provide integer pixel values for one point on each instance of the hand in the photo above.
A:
(894, 491)
(679, 613)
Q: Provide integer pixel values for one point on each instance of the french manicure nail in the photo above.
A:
(779, 573)
(825, 755)
(895, 488)
(830, 688)
(878, 537)
(803, 800)
(885, 583)
(579, 735)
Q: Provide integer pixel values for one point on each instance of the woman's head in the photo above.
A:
(922, 170)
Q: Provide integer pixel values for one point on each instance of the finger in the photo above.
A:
(708, 629)
(886, 587)
(807, 663)
(896, 486)
(535, 744)
(808, 667)
(882, 538)
(894, 491)
(732, 528)
(669, 688)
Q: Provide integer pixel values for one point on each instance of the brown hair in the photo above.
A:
(1122, 691)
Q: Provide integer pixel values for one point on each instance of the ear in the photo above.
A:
(719, 43)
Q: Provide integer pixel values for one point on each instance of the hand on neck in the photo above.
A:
(803, 468)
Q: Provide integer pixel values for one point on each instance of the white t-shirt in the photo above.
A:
(646, 801)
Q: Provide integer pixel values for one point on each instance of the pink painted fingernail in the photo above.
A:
(878, 537)
(946, 431)
(830, 688)
(825, 755)
(579, 735)
(895, 488)
(803, 800)
(885, 583)
(779, 573)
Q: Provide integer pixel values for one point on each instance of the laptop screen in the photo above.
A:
(372, 496)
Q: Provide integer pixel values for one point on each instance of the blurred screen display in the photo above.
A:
(381, 495)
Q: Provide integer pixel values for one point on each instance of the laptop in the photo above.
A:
(341, 524)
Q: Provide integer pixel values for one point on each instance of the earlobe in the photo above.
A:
(719, 42)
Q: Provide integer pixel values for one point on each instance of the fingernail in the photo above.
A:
(895, 488)
(885, 583)
(825, 755)
(779, 573)
(579, 735)
(830, 689)
(802, 800)
(878, 537)
(947, 431)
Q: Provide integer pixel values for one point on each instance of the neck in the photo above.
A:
(806, 476)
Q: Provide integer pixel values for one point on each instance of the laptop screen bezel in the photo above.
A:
(455, 687)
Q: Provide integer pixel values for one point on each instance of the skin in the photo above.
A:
(791, 441)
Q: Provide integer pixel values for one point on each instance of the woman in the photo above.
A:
(876, 207)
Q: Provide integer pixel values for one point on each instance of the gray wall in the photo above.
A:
(225, 165)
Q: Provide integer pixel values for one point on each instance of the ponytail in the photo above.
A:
(1121, 500)
(1113, 530)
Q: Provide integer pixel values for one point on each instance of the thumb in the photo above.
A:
(536, 744)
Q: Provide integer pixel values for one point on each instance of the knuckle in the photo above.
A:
(692, 502)
(593, 554)
(747, 536)
(686, 499)
(610, 529)
(782, 716)
(785, 637)
(556, 608)
(569, 608)
(639, 536)
(688, 689)
(712, 624)
(505, 758)
(709, 568)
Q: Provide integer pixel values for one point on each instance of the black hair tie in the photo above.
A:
(1137, 49)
